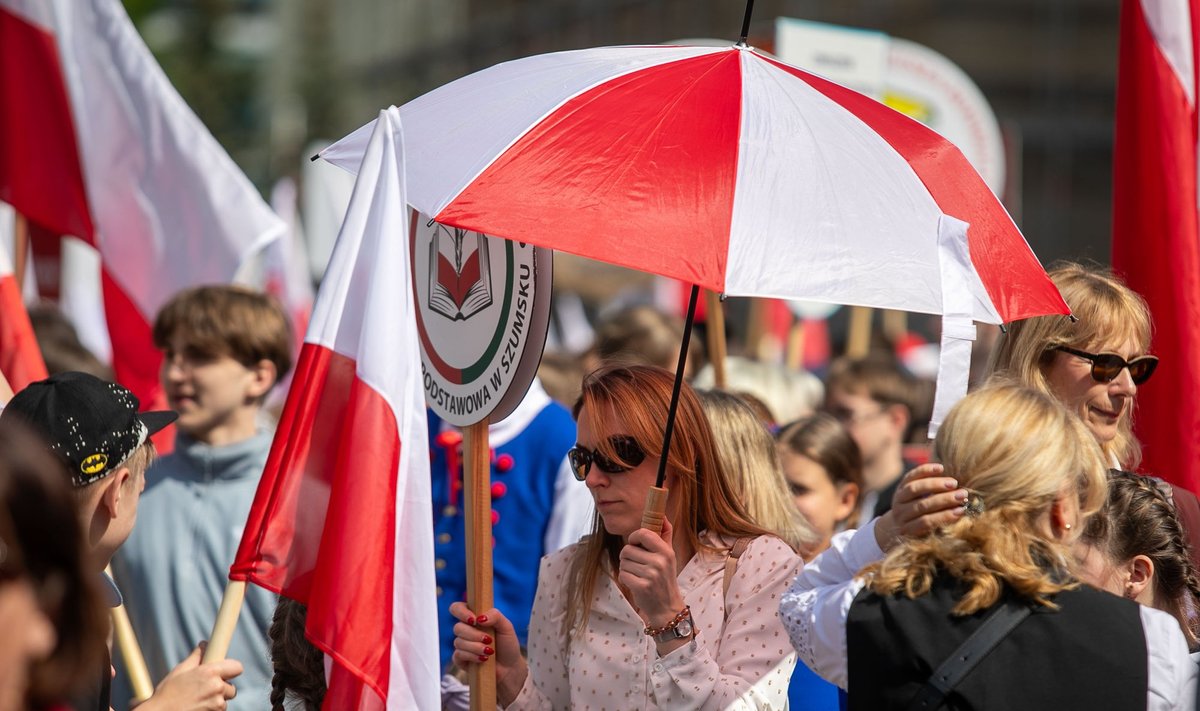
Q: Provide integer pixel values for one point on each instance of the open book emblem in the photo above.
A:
(460, 273)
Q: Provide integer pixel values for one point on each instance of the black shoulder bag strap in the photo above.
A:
(960, 663)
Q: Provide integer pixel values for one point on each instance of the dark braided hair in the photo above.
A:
(299, 666)
(1139, 518)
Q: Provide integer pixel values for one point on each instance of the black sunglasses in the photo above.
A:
(626, 448)
(1107, 366)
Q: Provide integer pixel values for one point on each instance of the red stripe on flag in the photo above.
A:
(998, 250)
(40, 172)
(325, 514)
(135, 360)
(20, 358)
(673, 164)
(1155, 234)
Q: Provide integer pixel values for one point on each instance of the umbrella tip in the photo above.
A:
(314, 157)
(746, 23)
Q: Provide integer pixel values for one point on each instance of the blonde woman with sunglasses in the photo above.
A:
(1093, 365)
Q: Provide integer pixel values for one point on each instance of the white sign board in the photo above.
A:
(483, 308)
(851, 57)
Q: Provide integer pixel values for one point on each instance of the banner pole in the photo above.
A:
(858, 344)
(716, 336)
(131, 653)
(477, 490)
(795, 347)
(227, 617)
(20, 248)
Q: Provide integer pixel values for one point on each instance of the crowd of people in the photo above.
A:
(806, 559)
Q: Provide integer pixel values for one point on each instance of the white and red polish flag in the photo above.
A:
(20, 359)
(96, 143)
(343, 516)
(1156, 240)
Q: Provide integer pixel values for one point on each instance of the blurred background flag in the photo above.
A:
(341, 521)
(96, 143)
(1155, 236)
(20, 359)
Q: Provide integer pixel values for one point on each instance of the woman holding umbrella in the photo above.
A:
(649, 609)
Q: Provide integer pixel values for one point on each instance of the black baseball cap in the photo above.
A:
(92, 424)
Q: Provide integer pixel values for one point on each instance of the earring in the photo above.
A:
(1067, 526)
(1129, 592)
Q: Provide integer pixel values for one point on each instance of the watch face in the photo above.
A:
(684, 628)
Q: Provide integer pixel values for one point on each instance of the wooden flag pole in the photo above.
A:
(895, 324)
(20, 248)
(227, 617)
(716, 336)
(755, 327)
(858, 344)
(131, 653)
(477, 490)
(795, 348)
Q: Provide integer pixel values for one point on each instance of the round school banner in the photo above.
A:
(483, 308)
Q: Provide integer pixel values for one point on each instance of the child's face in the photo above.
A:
(823, 502)
(216, 396)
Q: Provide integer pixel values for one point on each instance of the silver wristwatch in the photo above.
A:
(682, 630)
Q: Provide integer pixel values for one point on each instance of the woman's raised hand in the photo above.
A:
(479, 637)
(925, 501)
(647, 571)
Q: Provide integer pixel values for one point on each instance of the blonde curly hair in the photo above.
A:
(1017, 450)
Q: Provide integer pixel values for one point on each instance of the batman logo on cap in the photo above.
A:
(94, 463)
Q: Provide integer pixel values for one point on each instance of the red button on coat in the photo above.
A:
(449, 438)
(499, 489)
(495, 517)
(504, 463)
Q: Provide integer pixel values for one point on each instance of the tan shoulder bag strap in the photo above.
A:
(731, 563)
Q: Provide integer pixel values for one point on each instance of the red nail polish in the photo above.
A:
(470, 620)
(487, 640)
(482, 658)
(489, 651)
(481, 619)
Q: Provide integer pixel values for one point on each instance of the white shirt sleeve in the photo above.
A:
(1172, 671)
(814, 609)
(571, 516)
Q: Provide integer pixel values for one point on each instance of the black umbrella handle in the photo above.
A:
(669, 430)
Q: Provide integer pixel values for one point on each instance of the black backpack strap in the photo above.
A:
(960, 662)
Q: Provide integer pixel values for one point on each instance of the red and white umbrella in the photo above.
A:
(716, 166)
(724, 168)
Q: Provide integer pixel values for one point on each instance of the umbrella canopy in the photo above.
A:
(720, 167)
